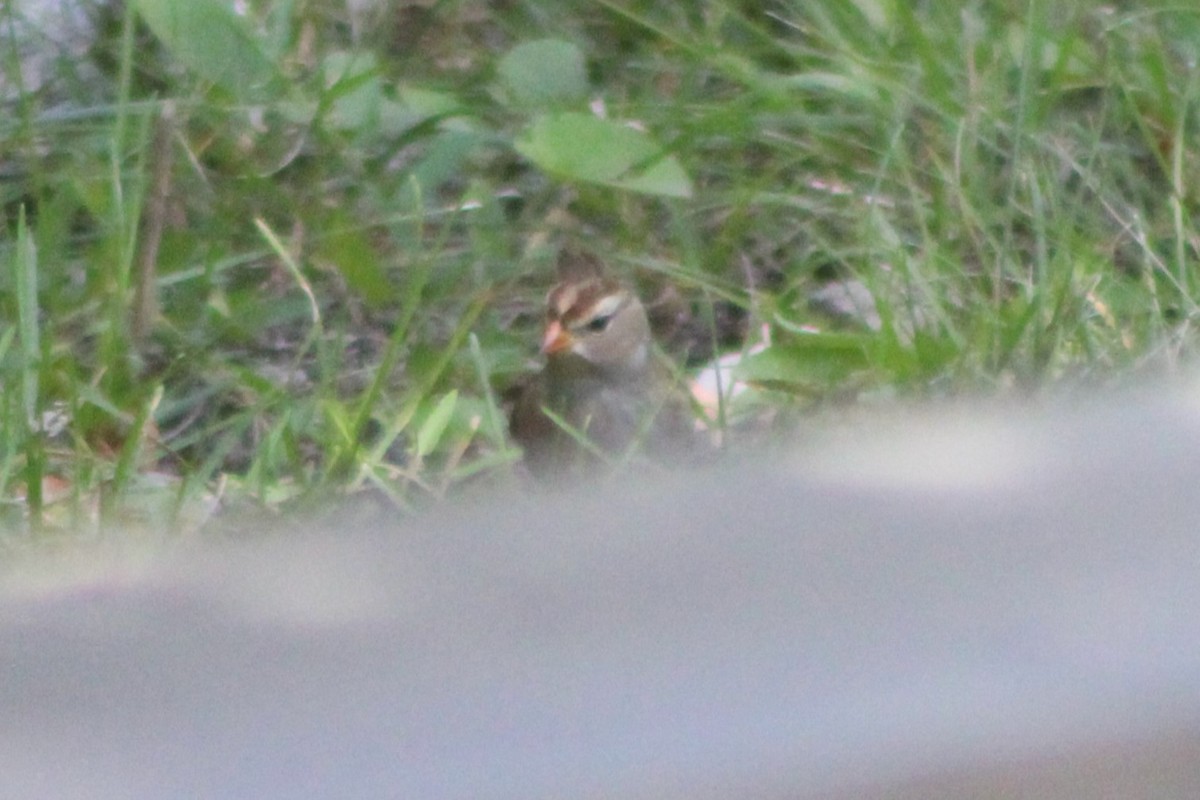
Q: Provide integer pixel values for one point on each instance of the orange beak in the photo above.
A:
(555, 339)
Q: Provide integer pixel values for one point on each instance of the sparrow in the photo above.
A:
(604, 392)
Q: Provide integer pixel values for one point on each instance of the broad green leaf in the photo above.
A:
(348, 248)
(414, 107)
(435, 424)
(444, 156)
(428, 102)
(583, 147)
(820, 358)
(354, 91)
(544, 74)
(211, 40)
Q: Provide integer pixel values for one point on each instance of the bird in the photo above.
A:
(604, 393)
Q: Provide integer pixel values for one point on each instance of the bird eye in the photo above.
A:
(597, 324)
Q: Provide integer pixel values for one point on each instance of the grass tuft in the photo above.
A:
(263, 253)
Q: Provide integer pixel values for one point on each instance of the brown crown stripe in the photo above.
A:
(573, 301)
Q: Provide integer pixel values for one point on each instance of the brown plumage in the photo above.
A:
(602, 380)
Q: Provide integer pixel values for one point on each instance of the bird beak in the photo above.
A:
(555, 339)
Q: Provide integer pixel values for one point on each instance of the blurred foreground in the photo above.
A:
(948, 605)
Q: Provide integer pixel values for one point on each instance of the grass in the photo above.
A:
(271, 257)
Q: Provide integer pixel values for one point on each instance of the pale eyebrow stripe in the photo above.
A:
(563, 298)
(609, 305)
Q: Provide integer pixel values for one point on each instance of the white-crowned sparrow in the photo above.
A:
(604, 393)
